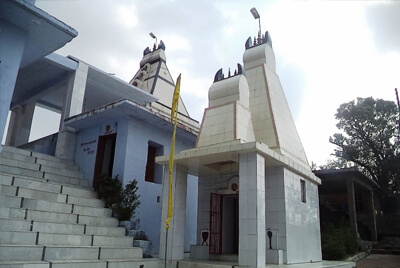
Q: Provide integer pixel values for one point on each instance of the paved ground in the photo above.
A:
(380, 261)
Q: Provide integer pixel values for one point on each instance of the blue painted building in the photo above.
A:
(106, 125)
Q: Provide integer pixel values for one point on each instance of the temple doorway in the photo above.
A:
(104, 157)
(224, 224)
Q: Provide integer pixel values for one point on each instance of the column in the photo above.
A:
(351, 204)
(12, 47)
(73, 105)
(372, 220)
(252, 238)
(176, 232)
(20, 124)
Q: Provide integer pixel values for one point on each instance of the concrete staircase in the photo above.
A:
(50, 218)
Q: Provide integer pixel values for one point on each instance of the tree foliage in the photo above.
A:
(370, 139)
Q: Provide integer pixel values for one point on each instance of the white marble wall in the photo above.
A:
(252, 238)
(275, 207)
(296, 222)
(302, 219)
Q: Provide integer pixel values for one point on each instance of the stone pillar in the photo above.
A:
(20, 124)
(12, 47)
(73, 105)
(252, 237)
(372, 220)
(351, 204)
(76, 88)
(176, 232)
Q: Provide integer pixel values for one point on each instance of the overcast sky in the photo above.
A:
(327, 52)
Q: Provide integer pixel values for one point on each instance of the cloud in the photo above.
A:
(327, 52)
(384, 22)
(127, 15)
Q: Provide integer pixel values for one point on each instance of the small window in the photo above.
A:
(303, 190)
(154, 171)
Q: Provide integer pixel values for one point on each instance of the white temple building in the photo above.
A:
(257, 195)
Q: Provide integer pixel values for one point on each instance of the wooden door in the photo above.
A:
(215, 246)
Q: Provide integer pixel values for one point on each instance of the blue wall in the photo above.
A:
(130, 163)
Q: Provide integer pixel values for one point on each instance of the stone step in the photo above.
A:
(79, 264)
(91, 211)
(59, 228)
(37, 215)
(57, 254)
(65, 179)
(42, 205)
(22, 264)
(82, 240)
(44, 185)
(36, 194)
(98, 221)
(20, 253)
(138, 263)
(121, 253)
(17, 237)
(42, 238)
(10, 201)
(53, 253)
(104, 231)
(5, 162)
(49, 196)
(38, 155)
(36, 160)
(33, 174)
(8, 179)
(131, 263)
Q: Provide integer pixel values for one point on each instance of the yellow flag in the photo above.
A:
(174, 118)
(175, 98)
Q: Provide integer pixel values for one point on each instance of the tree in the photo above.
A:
(370, 139)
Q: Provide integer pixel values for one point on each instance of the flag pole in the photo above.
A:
(174, 119)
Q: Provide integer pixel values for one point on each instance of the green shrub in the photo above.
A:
(123, 202)
(109, 189)
(337, 241)
(332, 249)
(130, 201)
(350, 240)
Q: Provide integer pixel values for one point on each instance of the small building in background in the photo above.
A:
(349, 194)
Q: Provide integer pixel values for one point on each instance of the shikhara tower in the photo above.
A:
(257, 195)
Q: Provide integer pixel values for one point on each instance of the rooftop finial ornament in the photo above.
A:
(220, 75)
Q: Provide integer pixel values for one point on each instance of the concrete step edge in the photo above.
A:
(74, 208)
(87, 235)
(35, 154)
(39, 161)
(19, 192)
(56, 202)
(44, 182)
(43, 169)
(34, 174)
(77, 216)
(79, 186)
(84, 227)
